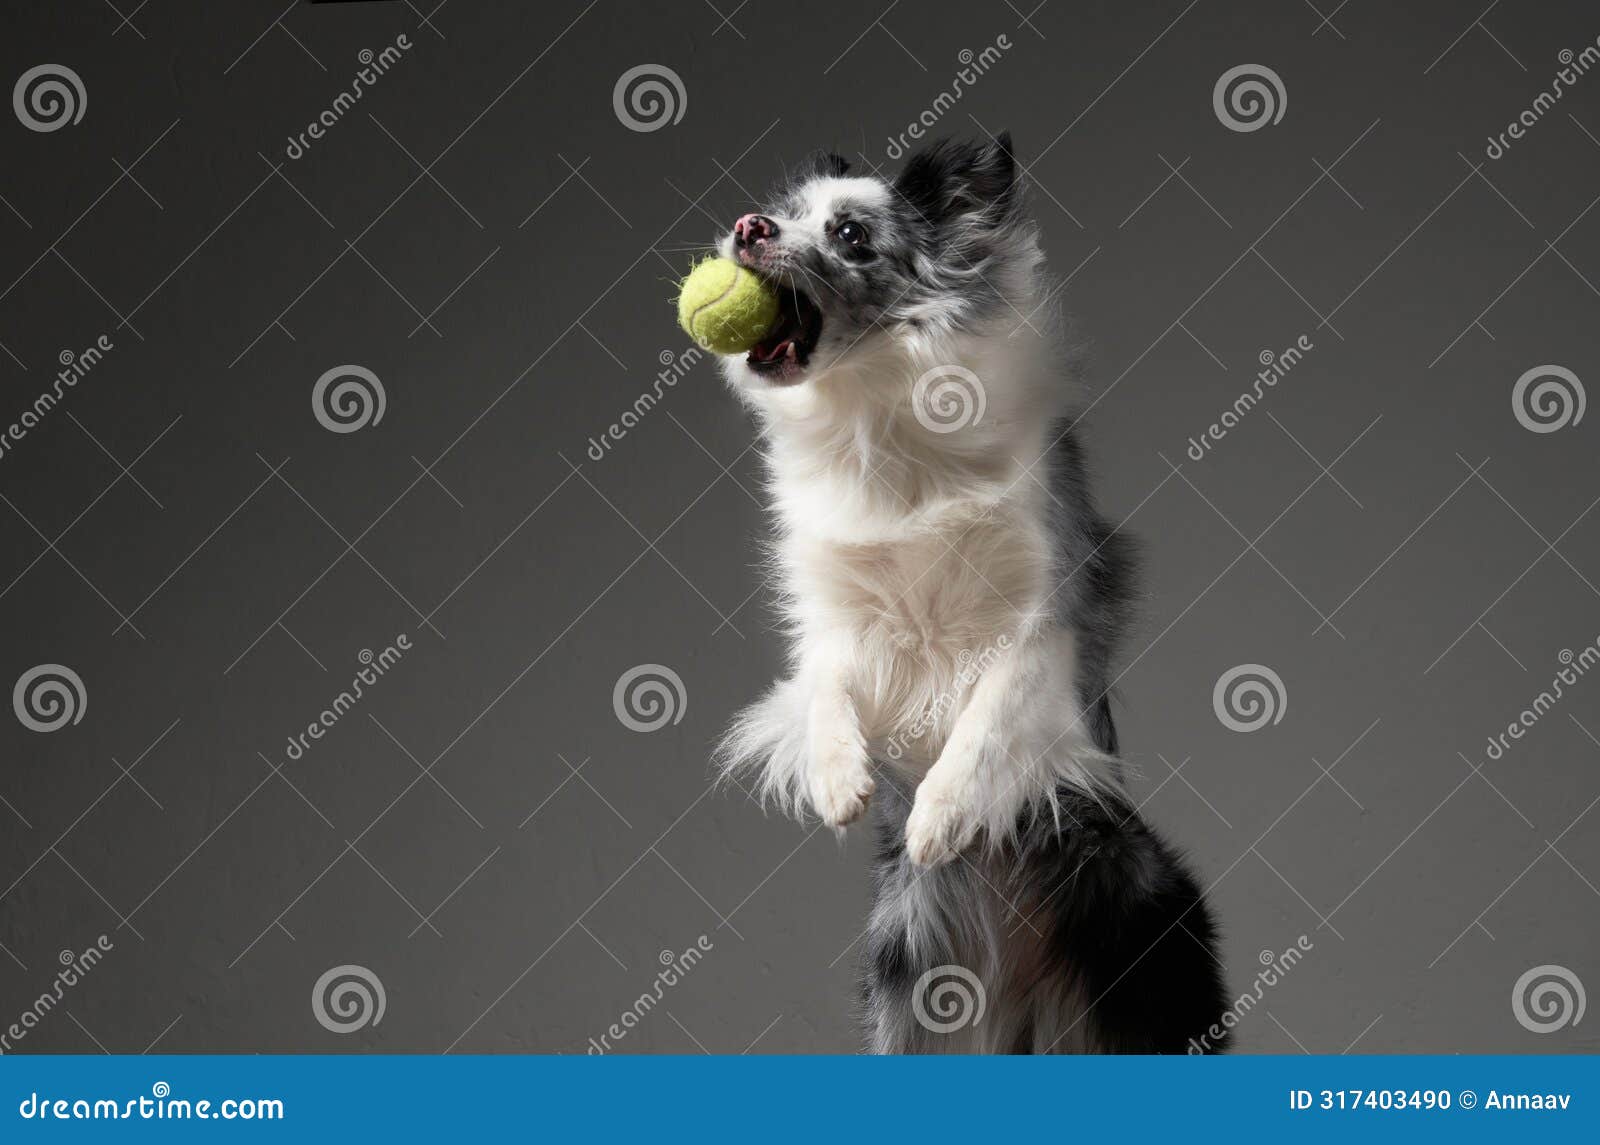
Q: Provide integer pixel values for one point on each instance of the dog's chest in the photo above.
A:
(923, 604)
(930, 589)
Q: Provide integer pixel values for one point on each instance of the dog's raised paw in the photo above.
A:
(841, 792)
(937, 829)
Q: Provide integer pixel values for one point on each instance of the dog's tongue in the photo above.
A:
(763, 352)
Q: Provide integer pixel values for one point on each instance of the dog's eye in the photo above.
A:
(851, 233)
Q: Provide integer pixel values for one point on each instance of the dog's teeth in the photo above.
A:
(792, 354)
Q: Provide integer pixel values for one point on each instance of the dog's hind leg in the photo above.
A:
(1127, 936)
(931, 980)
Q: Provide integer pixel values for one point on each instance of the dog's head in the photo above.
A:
(856, 259)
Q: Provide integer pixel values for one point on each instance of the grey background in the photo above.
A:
(487, 185)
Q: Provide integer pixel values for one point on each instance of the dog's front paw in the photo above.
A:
(939, 827)
(841, 795)
(841, 780)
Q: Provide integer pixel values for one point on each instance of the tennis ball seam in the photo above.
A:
(694, 315)
(735, 317)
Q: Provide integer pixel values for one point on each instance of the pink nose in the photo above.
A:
(751, 229)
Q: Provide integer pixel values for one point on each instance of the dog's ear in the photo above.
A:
(960, 180)
(824, 164)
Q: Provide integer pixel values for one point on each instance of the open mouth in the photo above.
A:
(782, 355)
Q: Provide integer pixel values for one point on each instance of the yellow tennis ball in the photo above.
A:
(726, 308)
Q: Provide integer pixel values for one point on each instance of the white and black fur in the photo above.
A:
(953, 602)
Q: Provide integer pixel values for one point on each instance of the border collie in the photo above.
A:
(953, 602)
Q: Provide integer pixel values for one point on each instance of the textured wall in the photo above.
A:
(486, 236)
